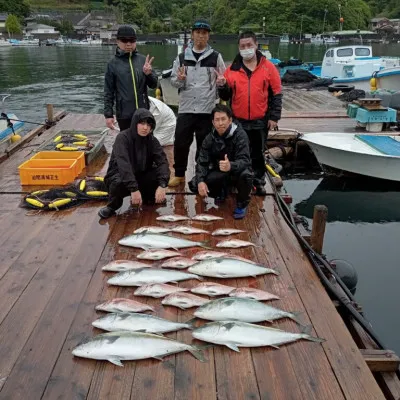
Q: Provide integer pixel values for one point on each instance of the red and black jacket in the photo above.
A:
(254, 97)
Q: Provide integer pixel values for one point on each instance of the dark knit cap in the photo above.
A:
(126, 32)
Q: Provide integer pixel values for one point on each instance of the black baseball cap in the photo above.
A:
(126, 32)
(201, 24)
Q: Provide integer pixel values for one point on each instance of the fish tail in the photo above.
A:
(191, 323)
(274, 271)
(206, 244)
(197, 352)
(295, 317)
(306, 331)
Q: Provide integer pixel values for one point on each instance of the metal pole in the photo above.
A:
(323, 25)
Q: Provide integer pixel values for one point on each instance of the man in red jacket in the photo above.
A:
(253, 86)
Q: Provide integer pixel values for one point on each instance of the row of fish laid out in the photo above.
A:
(198, 217)
(147, 241)
(188, 230)
(215, 268)
(136, 336)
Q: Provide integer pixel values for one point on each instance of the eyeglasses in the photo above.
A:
(127, 40)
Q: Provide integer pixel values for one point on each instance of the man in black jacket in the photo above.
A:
(127, 77)
(138, 166)
(224, 161)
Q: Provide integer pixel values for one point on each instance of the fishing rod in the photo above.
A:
(317, 261)
(46, 123)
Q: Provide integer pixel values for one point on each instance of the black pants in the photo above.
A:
(186, 126)
(147, 182)
(257, 139)
(218, 181)
(124, 123)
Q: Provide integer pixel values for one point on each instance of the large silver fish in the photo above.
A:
(120, 346)
(229, 268)
(239, 309)
(138, 322)
(123, 305)
(158, 290)
(148, 276)
(147, 241)
(234, 334)
(124, 265)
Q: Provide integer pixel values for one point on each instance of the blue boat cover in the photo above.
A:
(384, 144)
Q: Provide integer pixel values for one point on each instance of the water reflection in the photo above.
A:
(351, 200)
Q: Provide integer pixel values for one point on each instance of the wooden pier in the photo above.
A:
(51, 280)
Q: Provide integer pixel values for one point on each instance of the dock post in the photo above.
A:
(318, 227)
(50, 112)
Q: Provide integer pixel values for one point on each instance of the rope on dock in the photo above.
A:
(318, 262)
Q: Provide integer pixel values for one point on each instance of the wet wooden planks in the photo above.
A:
(54, 271)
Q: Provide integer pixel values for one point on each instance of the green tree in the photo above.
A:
(13, 25)
(20, 8)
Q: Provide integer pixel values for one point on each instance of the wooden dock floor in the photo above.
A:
(51, 280)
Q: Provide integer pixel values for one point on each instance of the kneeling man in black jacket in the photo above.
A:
(224, 161)
(138, 166)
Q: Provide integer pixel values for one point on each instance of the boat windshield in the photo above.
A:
(362, 52)
(345, 52)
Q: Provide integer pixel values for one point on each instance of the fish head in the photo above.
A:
(94, 346)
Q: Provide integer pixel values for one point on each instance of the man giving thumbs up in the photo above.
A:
(224, 161)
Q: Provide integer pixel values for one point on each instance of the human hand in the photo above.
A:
(160, 194)
(220, 79)
(147, 68)
(225, 164)
(110, 123)
(272, 125)
(203, 189)
(181, 75)
(136, 198)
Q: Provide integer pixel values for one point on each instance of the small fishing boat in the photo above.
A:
(9, 126)
(375, 156)
(355, 66)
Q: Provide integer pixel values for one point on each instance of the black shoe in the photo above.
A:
(260, 191)
(106, 212)
(193, 185)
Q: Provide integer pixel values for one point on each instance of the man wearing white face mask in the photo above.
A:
(253, 86)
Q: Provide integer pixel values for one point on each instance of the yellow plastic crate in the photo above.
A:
(79, 156)
(47, 172)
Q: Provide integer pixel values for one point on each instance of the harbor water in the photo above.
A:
(364, 218)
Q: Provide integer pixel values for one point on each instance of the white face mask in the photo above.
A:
(247, 54)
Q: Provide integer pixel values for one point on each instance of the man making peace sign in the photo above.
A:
(126, 80)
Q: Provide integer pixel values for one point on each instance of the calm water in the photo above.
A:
(364, 220)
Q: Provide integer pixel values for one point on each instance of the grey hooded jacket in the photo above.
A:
(198, 92)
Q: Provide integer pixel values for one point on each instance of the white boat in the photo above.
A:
(27, 40)
(284, 39)
(375, 156)
(355, 65)
(320, 39)
(4, 43)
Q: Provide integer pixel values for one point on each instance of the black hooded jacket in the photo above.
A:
(119, 88)
(133, 154)
(234, 143)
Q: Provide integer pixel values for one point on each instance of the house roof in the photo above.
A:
(378, 19)
(39, 26)
(3, 17)
(342, 33)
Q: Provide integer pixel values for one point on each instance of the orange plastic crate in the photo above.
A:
(79, 156)
(47, 172)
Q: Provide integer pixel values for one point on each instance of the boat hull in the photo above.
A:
(371, 163)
